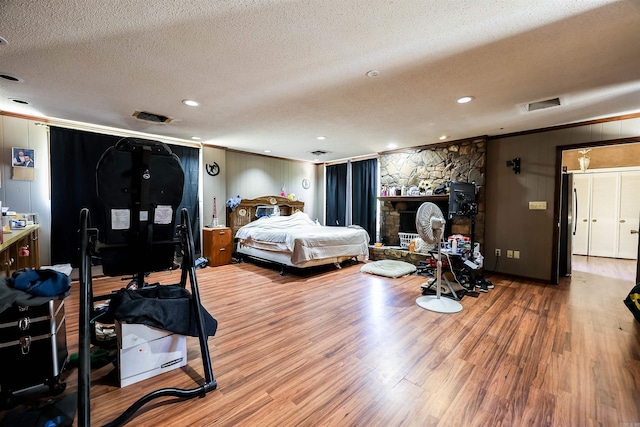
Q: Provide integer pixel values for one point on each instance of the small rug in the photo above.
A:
(388, 268)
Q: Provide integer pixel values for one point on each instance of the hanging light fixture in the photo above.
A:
(584, 160)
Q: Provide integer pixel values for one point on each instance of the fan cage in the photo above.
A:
(405, 238)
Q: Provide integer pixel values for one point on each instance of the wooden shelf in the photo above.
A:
(396, 199)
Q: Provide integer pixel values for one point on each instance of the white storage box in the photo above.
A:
(144, 352)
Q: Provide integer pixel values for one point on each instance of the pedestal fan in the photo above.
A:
(430, 226)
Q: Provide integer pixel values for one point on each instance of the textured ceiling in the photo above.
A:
(277, 74)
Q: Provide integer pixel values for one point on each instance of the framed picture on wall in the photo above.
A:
(22, 157)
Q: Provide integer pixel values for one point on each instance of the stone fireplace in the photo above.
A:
(432, 165)
(398, 214)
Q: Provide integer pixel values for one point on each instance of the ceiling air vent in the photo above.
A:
(543, 104)
(151, 117)
(319, 152)
(11, 78)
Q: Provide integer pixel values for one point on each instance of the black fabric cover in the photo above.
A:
(336, 195)
(364, 198)
(165, 307)
(138, 176)
(119, 179)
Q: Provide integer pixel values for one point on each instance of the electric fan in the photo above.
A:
(430, 225)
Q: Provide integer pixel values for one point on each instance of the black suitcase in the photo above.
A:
(33, 348)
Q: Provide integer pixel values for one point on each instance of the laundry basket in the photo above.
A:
(405, 238)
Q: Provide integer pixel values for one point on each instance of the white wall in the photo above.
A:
(27, 196)
(213, 186)
(250, 176)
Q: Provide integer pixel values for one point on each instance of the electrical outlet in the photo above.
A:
(516, 254)
(509, 253)
(498, 252)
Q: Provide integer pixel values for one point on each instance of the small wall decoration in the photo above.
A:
(23, 162)
(212, 170)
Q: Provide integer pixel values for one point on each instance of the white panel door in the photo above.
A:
(603, 233)
(628, 216)
(582, 186)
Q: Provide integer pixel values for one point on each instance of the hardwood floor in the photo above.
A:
(623, 269)
(343, 348)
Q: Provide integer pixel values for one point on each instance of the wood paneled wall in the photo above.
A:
(509, 223)
(251, 176)
(27, 196)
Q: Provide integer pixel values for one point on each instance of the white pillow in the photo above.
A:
(389, 268)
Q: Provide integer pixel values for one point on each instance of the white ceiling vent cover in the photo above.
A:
(151, 117)
(554, 102)
(319, 152)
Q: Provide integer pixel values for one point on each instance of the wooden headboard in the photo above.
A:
(246, 210)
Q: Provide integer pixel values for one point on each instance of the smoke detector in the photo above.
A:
(152, 117)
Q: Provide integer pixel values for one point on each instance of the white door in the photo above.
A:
(603, 226)
(628, 218)
(582, 187)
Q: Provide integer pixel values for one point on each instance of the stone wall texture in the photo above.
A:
(457, 161)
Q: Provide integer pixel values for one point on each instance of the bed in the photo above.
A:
(298, 241)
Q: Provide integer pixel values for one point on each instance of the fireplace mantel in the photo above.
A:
(395, 199)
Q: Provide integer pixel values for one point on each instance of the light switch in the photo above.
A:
(540, 205)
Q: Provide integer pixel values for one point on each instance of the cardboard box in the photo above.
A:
(144, 352)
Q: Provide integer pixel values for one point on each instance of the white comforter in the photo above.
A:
(304, 238)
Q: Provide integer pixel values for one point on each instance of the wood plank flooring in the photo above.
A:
(343, 348)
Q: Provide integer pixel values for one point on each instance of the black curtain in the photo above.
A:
(74, 155)
(364, 176)
(336, 194)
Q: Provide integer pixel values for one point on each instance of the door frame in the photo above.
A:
(638, 263)
(555, 260)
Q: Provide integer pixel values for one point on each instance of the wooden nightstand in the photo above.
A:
(217, 245)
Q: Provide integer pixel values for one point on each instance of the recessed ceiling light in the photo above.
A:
(373, 73)
(392, 145)
(196, 138)
(443, 137)
(267, 151)
(19, 101)
(3, 41)
(190, 102)
(465, 99)
(321, 137)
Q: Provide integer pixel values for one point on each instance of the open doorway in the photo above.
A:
(602, 221)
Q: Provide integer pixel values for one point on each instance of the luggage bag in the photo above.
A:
(33, 348)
